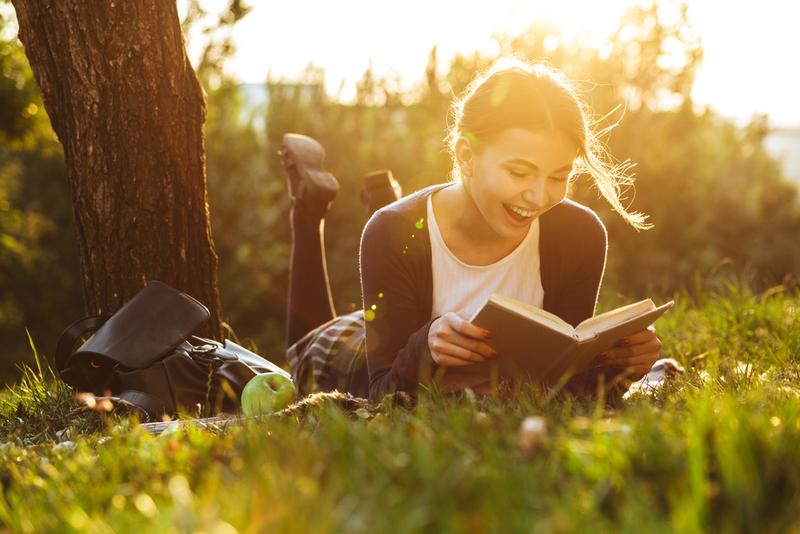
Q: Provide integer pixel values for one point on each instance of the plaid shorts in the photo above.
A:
(332, 356)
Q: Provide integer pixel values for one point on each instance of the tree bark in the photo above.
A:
(129, 111)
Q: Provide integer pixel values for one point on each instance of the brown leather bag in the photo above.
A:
(145, 357)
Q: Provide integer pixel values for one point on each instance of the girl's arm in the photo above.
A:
(398, 357)
(577, 295)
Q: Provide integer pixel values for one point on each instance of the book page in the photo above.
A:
(609, 319)
(584, 354)
(532, 312)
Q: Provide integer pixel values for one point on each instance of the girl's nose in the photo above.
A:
(536, 195)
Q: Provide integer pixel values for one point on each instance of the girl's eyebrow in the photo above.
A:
(526, 163)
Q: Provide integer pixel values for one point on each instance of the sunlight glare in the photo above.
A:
(349, 36)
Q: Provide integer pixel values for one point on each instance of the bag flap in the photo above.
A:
(147, 327)
(79, 330)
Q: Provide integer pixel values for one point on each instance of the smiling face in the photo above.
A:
(516, 176)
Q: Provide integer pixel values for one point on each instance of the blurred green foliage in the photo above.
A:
(39, 280)
(718, 201)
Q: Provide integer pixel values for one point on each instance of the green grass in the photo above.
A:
(719, 449)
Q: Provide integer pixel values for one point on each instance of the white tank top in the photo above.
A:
(460, 287)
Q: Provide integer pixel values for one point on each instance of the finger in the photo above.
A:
(642, 336)
(616, 353)
(451, 355)
(623, 360)
(465, 353)
(443, 347)
(449, 361)
(471, 344)
(463, 326)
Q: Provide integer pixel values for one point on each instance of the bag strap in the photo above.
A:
(71, 334)
(149, 406)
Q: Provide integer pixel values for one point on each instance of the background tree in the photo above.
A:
(129, 111)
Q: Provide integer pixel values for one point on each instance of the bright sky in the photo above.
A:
(749, 65)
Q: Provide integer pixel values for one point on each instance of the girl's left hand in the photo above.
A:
(635, 353)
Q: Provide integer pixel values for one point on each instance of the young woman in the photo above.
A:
(503, 224)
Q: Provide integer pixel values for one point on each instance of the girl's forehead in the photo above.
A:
(548, 148)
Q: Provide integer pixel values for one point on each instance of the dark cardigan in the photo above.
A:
(397, 286)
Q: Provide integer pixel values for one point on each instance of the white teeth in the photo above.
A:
(520, 211)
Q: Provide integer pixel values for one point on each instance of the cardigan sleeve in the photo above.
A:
(583, 244)
(577, 296)
(398, 357)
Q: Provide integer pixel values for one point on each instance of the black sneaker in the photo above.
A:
(380, 189)
(310, 185)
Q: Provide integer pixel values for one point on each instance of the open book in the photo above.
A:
(531, 341)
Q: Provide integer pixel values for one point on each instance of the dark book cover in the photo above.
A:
(528, 346)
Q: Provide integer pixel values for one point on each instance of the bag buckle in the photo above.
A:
(204, 349)
(94, 363)
(215, 348)
(210, 352)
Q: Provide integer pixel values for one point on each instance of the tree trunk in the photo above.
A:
(128, 109)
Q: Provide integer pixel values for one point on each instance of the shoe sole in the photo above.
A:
(305, 157)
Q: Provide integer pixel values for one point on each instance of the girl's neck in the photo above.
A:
(464, 229)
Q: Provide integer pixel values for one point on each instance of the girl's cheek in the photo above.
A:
(558, 193)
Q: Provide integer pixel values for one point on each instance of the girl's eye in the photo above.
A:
(517, 174)
(559, 178)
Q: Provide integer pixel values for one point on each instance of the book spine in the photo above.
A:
(581, 341)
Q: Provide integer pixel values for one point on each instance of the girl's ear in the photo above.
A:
(464, 154)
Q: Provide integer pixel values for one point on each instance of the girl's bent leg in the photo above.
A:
(309, 302)
(380, 189)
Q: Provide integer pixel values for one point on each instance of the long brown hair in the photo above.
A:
(515, 94)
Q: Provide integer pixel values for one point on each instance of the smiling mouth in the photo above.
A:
(519, 213)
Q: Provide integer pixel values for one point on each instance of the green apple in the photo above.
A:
(267, 393)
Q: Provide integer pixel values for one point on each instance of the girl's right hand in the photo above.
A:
(454, 341)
